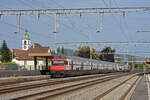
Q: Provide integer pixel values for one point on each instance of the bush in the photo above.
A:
(9, 66)
(148, 66)
(139, 66)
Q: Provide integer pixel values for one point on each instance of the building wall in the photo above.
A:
(29, 64)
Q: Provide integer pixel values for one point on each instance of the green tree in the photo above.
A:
(58, 50)
(107, 54)
(95, 56)
(139, 66)
(117, 58)
(75, 53)
(5, 53)
(0, 55)
(62, 50)
(132, 61)
(13, 55)
(85, 52)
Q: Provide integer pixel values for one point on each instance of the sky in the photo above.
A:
(76, 28)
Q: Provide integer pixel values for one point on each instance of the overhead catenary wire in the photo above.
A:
(116, 20)
(67, 26)
(69, 20)
(56, 26)
(74, 26)
(123, 33)
(23, 28)
(80, 32)
(124, 21)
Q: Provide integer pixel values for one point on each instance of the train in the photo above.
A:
(63, 66)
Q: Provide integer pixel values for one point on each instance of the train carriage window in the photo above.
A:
(66, 62)
(77, 68)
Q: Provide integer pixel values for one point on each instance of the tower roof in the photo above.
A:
(26, 35)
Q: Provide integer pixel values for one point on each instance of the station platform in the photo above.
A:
(142, 90)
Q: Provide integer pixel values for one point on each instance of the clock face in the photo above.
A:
(25, 47)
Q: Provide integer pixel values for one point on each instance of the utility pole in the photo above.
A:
(144, 67)
(55, 45)
(132, 64)
(90, 45)
(101, 22)
(127, 58)
(56, 31)
(124, 58)
(18, 23)
(90, 52)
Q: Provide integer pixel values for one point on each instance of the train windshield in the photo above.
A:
(58, 62)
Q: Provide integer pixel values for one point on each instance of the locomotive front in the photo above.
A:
(58, 67)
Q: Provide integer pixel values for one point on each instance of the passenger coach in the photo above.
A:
(72, 66)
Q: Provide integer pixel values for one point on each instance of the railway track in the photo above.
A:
(115, 87)
(15, 88)
(123, 97)
(49, 94)
(15, 80)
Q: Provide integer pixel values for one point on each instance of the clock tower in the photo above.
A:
(26, 41)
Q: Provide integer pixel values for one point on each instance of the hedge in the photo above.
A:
(9, 66)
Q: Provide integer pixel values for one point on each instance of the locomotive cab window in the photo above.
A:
(59, 62)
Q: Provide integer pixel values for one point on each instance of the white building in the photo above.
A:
(22, 56)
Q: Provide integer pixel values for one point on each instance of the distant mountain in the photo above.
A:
(126, 57)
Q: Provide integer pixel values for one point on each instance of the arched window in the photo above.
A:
(25, 42)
